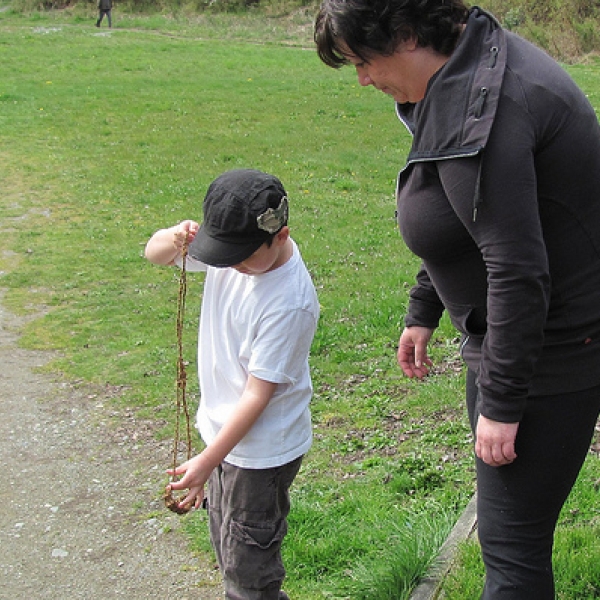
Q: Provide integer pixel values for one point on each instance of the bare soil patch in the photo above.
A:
(80, 508)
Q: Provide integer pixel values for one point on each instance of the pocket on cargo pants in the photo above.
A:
(253, 556)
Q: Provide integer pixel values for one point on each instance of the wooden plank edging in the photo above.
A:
(429, 586)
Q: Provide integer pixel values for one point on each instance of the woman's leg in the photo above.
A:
(519, 504)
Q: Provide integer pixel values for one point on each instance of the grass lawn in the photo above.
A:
(105, 136)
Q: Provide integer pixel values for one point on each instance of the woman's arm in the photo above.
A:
(508, 232)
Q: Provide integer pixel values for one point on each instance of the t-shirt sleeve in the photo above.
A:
(191, 264)
(281, 347)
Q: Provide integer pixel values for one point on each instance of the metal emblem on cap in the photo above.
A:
(273, 219)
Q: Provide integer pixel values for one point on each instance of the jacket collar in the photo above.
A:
(456, 115)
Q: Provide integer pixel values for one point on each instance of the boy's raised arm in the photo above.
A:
(166, 244)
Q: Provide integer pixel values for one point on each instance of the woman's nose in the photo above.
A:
(363, 77)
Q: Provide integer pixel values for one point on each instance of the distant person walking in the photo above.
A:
(104, 8)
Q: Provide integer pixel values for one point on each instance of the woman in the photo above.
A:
(500, 198)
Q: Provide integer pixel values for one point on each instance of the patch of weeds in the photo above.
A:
(414, 474)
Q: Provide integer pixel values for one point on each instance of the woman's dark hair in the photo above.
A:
(368, 28)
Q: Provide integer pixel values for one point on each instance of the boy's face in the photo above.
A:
(266, 258)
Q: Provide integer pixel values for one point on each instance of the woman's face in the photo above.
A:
(403, 75)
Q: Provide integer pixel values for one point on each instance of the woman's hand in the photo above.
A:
(495, 441)
(412, 351)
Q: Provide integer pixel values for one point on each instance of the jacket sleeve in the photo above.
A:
(424, 305)
(508, 232)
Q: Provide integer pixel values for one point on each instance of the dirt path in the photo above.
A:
(80, 515)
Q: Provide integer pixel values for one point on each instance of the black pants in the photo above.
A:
(518, 505)
(101, 14)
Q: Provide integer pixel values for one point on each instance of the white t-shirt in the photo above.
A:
(261, 325)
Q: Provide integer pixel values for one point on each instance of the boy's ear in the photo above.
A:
(283, 234)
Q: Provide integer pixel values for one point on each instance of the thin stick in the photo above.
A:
(171, 502)
(181, 372)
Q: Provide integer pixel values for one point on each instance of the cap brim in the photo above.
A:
(219, 253)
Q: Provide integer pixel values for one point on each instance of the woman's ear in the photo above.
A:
(408, 45)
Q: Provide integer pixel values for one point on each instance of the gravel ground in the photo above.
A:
(80, 513)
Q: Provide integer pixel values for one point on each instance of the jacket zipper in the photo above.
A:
(493, 56)
(479, 102)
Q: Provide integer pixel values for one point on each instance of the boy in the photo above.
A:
(259, 315)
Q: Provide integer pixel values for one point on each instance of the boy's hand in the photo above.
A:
(165, 245)
(194, 478)
(185, 231)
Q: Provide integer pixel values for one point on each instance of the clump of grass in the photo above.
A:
(359, 542)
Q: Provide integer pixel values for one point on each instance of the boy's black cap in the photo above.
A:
(243, 208)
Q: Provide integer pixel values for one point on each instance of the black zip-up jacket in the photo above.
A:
(500, 198)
